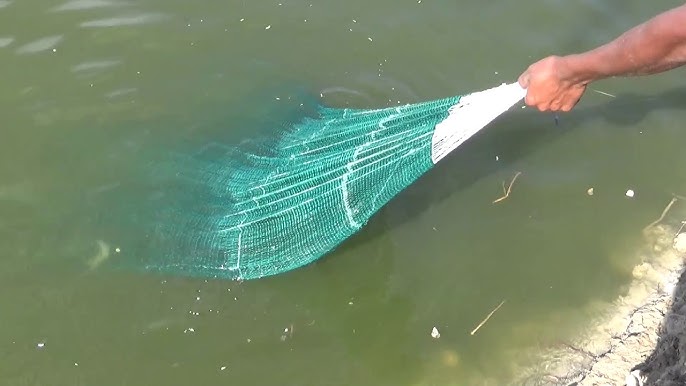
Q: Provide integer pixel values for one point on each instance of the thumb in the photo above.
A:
(524, 79)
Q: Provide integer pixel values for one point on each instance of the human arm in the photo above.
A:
(558, 82)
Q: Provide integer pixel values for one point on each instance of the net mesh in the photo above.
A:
(264, 208)
(282, 205)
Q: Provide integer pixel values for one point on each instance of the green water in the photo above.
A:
(93, 91)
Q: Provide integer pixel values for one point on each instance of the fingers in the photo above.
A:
(565, 104)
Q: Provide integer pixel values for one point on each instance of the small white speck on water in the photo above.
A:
(242, 20)
(435, 333)
(197, 298)
(630, 193)
(419, 1)
(523, 107)
(354, 21)
(40, 345)
(278, 99)
(235, 298)
(268, 27)
(54, 50)
(350, 29)
(188, 25)
(370, 39)
(189, 329)
(76, 364)
(496, 72)
(497, 158)
(117, 250)
(350, 303)
(249, 340)
(224, 367)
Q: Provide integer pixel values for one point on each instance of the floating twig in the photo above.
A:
(509, 188)
(683, 224)
(662, 216)
(604, 93)
(486, 318)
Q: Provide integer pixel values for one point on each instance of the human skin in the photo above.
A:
(556, 83)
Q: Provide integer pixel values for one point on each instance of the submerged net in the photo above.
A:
(283, 205)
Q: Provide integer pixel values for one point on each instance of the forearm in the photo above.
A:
(655, 46)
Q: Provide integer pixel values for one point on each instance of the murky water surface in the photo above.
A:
(95, 90)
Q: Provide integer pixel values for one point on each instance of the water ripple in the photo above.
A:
(6, 41)
(121, 92)
(39, 45)
(94, 65)
(77, 5)
(122, 21)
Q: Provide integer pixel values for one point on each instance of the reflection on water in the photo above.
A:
(122, 21)
(96, 92)
(4, 42)
(78, 5)
(42, 44)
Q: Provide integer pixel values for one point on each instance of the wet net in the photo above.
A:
(283, 205)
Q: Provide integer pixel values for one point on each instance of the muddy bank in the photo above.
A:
(635, 340)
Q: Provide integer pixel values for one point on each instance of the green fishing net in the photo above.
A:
(284, 203)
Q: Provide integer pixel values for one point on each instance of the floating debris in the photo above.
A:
(662, 216)
(630, 193)
(508, 190)
(434, 333)
(486, 318)
(605, 93)
(100, 257)
(589, 191)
